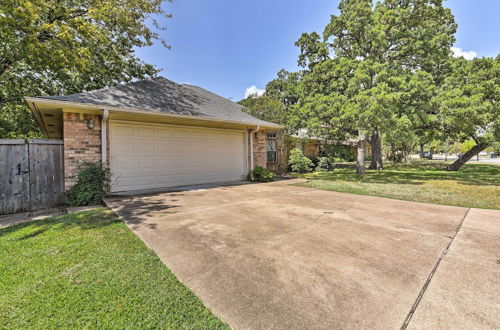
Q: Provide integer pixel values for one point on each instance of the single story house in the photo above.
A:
(154, 133)
(278, 149)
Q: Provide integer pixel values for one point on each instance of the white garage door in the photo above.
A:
(146, 156)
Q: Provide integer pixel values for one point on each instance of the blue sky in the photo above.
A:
(227, 46)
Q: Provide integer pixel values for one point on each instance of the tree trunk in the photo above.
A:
(456, 165)
(431, 153)
(360, 162)
(421, 155)
(406, 156)
(376, 162)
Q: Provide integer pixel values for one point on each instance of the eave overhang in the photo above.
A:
(48, 113)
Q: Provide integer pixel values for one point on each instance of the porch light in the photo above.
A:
(90, 124)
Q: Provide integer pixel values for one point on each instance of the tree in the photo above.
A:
(495, 147)
(286, 88)
(470, 105)
(266, 108)
(374, 52)
(52, 47)
(401, 140)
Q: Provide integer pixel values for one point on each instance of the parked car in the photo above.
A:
(427, 154)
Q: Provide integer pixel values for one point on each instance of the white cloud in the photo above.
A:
(459, 52)
(253, 90)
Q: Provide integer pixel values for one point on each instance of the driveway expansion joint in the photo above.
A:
(431, 274)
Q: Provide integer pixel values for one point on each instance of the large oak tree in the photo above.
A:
(470, 108)
(380, 50)
(66, 46)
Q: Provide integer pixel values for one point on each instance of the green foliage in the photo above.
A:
(262, 174)
(469, 101)
(376, 54)
(467, 145)
(298, 162)
(265, 108)
(495, 147)
(339, 152)
(324, 164)
(286, 87)
(93, 184)
(375, 68)
(50, 47)
(396, 157)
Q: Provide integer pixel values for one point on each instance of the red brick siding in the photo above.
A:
(259, 149)
(311, 149)
(80, 143)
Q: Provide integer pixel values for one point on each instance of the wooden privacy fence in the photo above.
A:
(31, 175)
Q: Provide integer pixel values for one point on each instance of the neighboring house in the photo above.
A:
(154, 133)
(309, 145)
(278, 148)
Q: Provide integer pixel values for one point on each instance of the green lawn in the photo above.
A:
(475, 185)
(89, 270)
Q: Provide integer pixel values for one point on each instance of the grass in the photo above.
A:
(475, 185)
(88, 270)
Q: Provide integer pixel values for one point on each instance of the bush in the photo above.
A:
(262, 174)
(324, 164)
(298, 162)
(93, 184)
(396, 157)
(340, 153)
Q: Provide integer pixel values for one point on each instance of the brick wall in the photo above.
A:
(259, 150)
(311, 149)
(80, 143)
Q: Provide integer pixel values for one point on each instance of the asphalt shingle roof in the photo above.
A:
(161, 95)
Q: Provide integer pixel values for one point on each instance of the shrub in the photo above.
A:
(324, 164)
(298, 162)
(93, 184)
(341, 153)
(396, 157)
(262, 174)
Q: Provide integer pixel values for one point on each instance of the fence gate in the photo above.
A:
(31, 175)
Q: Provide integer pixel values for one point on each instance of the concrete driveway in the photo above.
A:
(279, 256)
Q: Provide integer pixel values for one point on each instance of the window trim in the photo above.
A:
(271, 138)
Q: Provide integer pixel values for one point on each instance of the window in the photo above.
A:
(271, 147)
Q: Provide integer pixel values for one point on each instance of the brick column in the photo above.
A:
(80, 143)
(259, 149)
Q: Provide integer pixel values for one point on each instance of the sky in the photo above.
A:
(234, 47)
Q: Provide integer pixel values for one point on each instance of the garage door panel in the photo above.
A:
(145, 132)
(124, 131)
(150, 156)
(125, 163)
(124, 148)
(146, 163)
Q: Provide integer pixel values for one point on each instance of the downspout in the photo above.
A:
(104, 136)
(251, 150)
